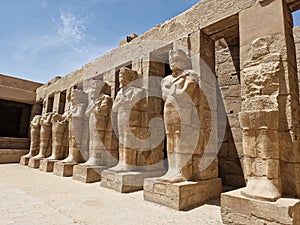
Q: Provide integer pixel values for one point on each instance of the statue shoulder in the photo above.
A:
(167, 80)
(191, 75)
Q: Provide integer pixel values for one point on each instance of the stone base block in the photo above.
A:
(88, 174)
(239, 210)
(11, 155)
(34, 163)
(47, 165)
(63, 169)
(24, 160)
(184, 195)
(126, 182)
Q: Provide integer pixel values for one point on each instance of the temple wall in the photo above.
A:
(17, 107)
(216, 18)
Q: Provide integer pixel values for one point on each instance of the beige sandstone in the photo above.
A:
(249, 47)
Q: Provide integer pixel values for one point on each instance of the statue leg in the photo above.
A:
(123, 153)
(261, 151)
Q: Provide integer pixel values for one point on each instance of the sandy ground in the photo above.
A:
(29, 196)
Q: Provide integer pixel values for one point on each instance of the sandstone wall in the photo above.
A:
(228, 74)
(227, 71)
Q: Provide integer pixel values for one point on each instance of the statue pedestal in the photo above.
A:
(184, 195)
(34, 163)
(126, 182)
(88, 174)
(235, 207)
(47, 165)
(24, 160)
(63, 169)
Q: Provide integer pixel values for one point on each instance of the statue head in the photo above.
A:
(106, 102)
(78, 96)
(179, 60)
(36, 119)
(126, 76)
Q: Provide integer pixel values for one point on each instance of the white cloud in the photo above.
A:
(70, 29)
(43, 3)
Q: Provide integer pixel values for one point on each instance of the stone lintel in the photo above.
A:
(182, 196)
(239, 210)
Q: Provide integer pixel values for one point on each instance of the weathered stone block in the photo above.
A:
(24, 160)
(34, 163)
(182, 196)
(239, 210)
(88, 174)
(47, 165)
(63, 169)
(126, 182)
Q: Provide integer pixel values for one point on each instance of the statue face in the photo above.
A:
(123, 78)
(178, 60)
(93, 91)
(175, 61)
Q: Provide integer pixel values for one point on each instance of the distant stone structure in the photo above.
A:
(242, 80)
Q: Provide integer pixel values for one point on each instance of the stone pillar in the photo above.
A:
(56, 101)
(192, 176)
(269, 118)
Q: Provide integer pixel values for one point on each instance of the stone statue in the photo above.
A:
(34, 139)
(59, 137)
(99, 116)
(45, 136)
(123, 105)
(181, 96)
(77, 127)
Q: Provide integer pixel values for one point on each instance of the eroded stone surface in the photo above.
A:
(240, 210)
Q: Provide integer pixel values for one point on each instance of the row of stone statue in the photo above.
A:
(84, 133)
(85, 143)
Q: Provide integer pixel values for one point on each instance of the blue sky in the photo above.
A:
(44, 38)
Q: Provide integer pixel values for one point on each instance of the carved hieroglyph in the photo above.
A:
(34, 136)
(260, 121)
(45, 136)
(100, 129)
(59, 137)
(182, 97)
(77, 127)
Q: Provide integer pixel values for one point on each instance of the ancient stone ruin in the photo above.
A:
(204, 106)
